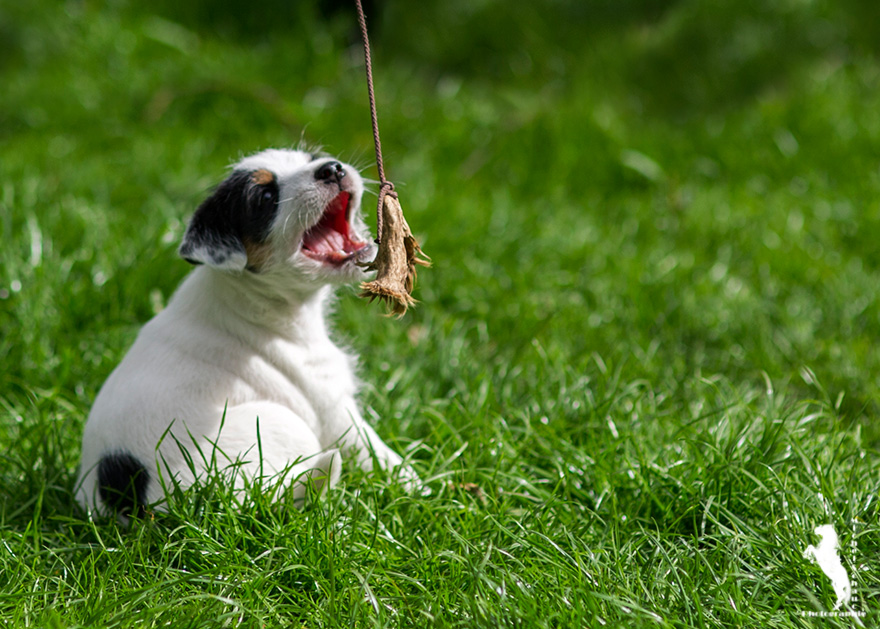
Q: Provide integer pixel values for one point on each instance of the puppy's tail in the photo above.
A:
(122, 483)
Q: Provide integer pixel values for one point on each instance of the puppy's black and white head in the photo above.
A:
(284, 211)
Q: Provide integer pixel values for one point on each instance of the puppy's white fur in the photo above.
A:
(243, 348)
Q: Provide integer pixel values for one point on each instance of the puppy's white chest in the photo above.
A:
(314, 380)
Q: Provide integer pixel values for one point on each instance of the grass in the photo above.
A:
(644, 365)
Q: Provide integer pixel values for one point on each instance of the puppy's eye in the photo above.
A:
(268, 195)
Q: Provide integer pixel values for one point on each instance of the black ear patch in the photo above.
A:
(122, 483)
(236, 216)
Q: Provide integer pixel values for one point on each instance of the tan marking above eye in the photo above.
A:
(262, 177)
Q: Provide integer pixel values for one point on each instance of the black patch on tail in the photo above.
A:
(122, 483)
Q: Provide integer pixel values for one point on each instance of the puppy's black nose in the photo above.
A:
(330, 172)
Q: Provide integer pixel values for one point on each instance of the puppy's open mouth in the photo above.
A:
(331, 239)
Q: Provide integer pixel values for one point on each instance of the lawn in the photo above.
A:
(643, 367)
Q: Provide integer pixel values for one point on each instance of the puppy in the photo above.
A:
(239, 367)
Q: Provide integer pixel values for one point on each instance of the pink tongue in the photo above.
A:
(323, 239)
(331, 233)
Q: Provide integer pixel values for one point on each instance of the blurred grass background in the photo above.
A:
(649, 213)
(695, 179)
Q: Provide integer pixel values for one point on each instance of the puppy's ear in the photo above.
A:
(214, 236)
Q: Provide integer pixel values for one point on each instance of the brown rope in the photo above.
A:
(385, 186)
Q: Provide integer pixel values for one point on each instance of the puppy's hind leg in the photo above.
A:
(264, 439)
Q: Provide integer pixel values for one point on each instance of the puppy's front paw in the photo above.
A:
(403, 473)
(410, 481)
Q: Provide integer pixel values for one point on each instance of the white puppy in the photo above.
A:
(239, 366)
